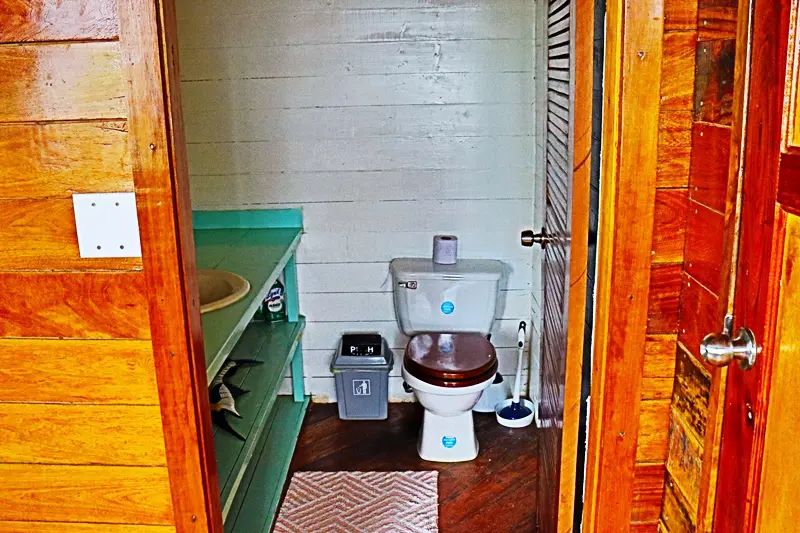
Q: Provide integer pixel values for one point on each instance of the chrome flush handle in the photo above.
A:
(720, 349)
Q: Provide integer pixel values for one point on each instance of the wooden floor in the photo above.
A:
(494, 493)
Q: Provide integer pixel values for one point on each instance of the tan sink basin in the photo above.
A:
(219, 288)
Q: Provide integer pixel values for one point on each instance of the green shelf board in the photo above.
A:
(259, 256)
(256, 503)
(275, 345)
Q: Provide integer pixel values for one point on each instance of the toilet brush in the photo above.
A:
(516, 412)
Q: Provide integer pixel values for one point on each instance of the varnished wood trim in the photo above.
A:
(630, 133)
(77, 371)
(664, 298)
(583, 13)
(41, 235)
(105, 494)
(57, 160)
(68, 527)
(61, 82)
(97, 305)
(148, 40)
(57, 20)
(81, 435)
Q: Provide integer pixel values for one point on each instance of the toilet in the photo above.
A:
(448, 312)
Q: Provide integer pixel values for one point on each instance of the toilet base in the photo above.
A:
(447, 439)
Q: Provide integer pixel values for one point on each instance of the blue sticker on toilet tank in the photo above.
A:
(448, 307)
(448, 442)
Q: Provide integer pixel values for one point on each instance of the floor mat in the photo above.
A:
(361, 502)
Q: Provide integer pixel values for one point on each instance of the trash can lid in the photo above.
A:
(362, 352)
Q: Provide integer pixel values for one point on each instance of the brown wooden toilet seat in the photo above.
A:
(450, 359)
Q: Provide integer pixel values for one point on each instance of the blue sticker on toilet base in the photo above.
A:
(448, 308)
(448, 442)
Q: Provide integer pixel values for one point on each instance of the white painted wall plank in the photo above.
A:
(351, 186)
(367, 90)
(201, 29)
(315, 60)
(434, 120)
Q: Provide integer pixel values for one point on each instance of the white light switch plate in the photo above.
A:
(107, 224)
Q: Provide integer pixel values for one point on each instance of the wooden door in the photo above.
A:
(757, 479)
(569, 52)
(740, 477)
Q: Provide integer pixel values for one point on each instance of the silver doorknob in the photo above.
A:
(720, 349)
(529, 238)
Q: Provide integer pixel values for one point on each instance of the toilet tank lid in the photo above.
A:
(467, 269)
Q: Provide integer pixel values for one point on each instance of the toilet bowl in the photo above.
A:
(448, 373)
(447, 311)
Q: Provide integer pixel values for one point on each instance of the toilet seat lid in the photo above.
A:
(450, 356)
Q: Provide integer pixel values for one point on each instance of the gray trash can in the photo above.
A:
(361, 367)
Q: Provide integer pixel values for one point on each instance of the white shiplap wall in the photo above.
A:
(387, 121)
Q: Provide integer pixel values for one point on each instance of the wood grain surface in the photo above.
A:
(69, 527)
(57, 160)
(77, 371)
(148, 42)
(61, 82)
(704, 241)
(106, 494)
(708, 176)
(659, 366)
(648, 479)
(75, 305)
(59, 434)
(677, 72)
(674, 148)
(669, 229)
(630, 139)
(56, 20)
(653, 425)
(41, 235)
(664, 298)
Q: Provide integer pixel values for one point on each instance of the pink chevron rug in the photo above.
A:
(361, 502)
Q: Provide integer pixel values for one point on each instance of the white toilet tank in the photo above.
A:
(446, 298)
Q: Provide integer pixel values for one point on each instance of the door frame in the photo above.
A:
(631, 89)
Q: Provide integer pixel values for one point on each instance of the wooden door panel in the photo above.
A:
(57, 20)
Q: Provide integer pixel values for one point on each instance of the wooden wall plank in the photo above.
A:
(716, 22)
(105, 494)
(708, 175)
(705, 234)
(653, 432)
(703, 306)
(691, 393)
(67, 527)
(664, 298)
(57, 20)
(73, 371)
(685, 459)
(713, 89)
(75, 305)
(644, 527)
(677, 72)
(680, 15)
(676, 515)
(57, 160)
(658, 372)
(41, 235)
(669, 230)
(61, 82)
(648, 487)
(674, 148)
(81, 435)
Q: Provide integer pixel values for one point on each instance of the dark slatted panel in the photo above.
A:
(558, 165)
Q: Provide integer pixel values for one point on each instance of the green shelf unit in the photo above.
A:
(258, 255)
(275, 345)
(254, 507)
(258, 245)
